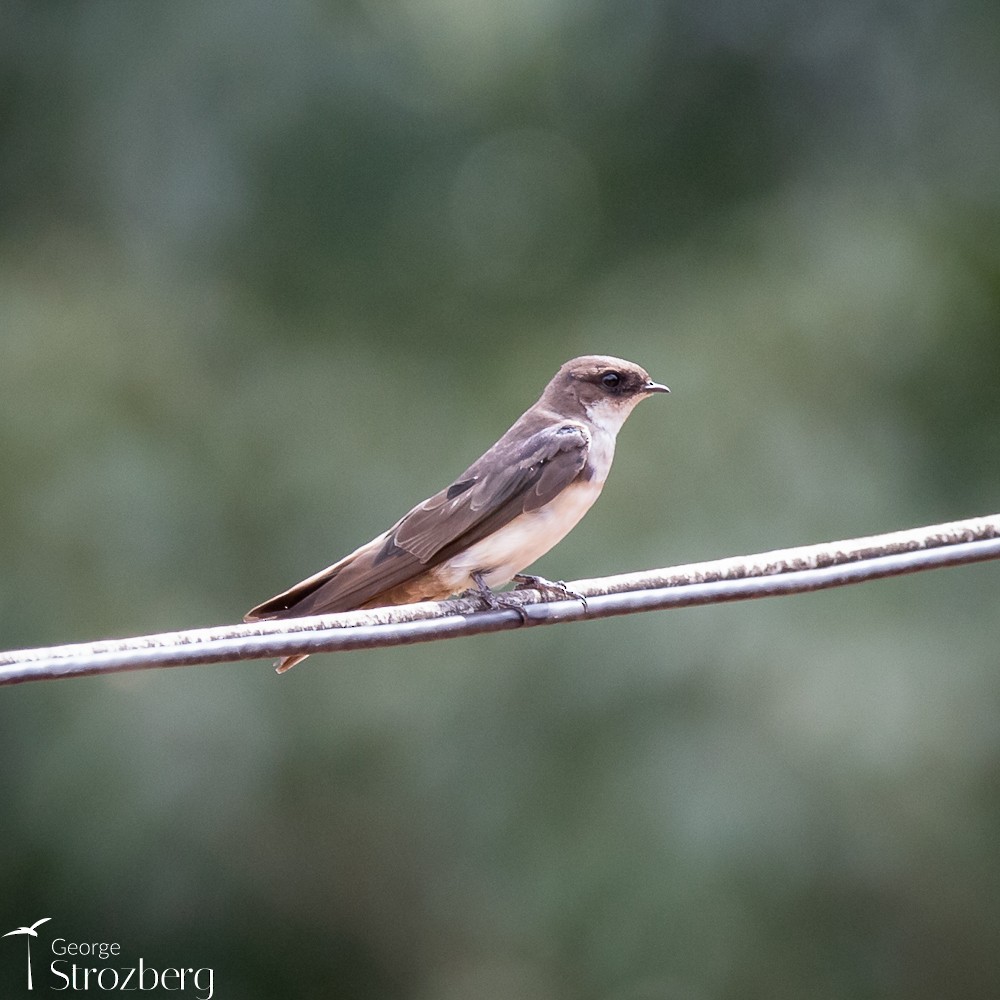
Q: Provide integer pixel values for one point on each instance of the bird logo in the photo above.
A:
(29, 933)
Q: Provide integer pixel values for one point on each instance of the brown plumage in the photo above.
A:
(508, 508)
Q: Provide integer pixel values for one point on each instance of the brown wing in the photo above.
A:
(511, 478)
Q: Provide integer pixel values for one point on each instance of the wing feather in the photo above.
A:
(518, 474)
(507, 482)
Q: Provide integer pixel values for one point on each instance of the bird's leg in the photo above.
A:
(494, 600)
(553, 590)
(485, 591)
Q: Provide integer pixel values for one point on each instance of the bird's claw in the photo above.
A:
(553, 590)
(495, 601)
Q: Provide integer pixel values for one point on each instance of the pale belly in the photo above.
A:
(518, 544)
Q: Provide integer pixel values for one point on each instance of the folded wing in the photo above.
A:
(513, 477)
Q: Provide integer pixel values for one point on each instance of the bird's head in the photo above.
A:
(605, 388)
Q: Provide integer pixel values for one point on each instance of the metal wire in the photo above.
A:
(769, 574)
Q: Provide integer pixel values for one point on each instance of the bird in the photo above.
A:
(508, 508)
(28, 930)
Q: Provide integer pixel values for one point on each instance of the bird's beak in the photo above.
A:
(652, 386)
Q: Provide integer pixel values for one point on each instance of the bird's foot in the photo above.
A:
(495, 601)
(551, 590)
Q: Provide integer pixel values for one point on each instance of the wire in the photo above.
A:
(768, 574)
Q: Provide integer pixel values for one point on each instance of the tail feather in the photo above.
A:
(287, 662)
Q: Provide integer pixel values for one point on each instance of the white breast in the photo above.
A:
(529, 536)
(519, 543)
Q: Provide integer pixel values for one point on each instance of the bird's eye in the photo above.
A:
(611, 380)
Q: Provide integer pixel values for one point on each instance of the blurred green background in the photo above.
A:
(272, 273)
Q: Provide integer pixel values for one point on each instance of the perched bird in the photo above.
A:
(507, 509)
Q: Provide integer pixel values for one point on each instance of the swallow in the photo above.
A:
(513, 504)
